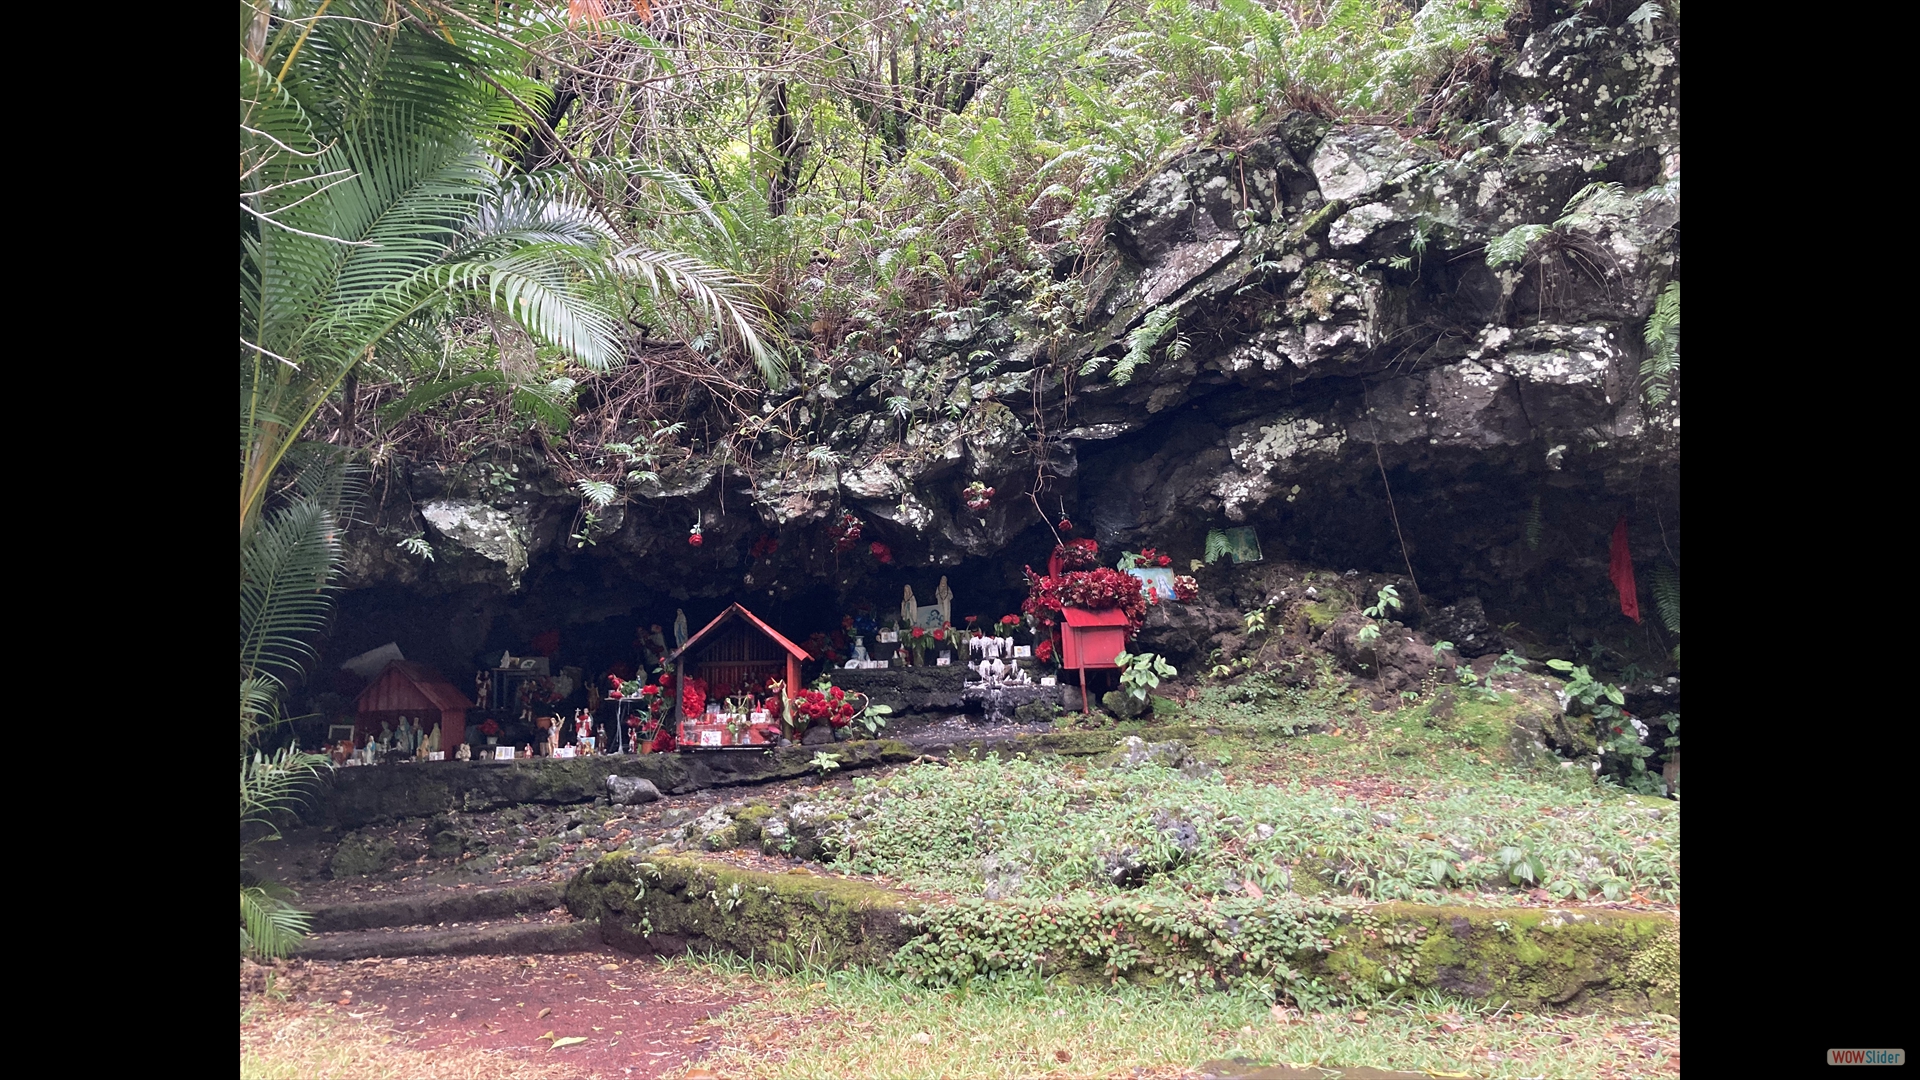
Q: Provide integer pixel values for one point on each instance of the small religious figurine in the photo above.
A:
(582, 726)
(386, 737)
(860, 648)
(944, 597)
(679, 628)
(909, 610)
(482, 685)
(600, 738)
(526, 750)
(403, 738)
(432, 742)
(465, 753)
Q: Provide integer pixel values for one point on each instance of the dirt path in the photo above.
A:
(639, 1022)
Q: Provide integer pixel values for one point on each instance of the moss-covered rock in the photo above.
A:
(1531, 958)
(359, 855)
(670, 903)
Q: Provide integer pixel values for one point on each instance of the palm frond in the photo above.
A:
(287, 566)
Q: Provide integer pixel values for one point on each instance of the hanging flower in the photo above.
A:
(695, 538)
(845, 532)
(979, 496)
(765, 546)
(1065, 525)
(882, 552)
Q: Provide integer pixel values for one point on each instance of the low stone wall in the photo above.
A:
(1532, 958)
(351, 798)
(930, 689)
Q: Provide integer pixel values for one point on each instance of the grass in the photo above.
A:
(861, 1023)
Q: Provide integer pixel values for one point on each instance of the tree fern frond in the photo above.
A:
(1666, 595)
(1662, 363)
(1533, 526)
(1218, 546)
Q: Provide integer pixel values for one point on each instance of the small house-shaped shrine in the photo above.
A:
(735, 654)
(410, 689)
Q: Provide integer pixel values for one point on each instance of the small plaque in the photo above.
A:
(760, 717)
(1048, 680)
(855, 665)
(503, 753)
(709, 737)
(1020, 651)
(437, 755)
(943, 661)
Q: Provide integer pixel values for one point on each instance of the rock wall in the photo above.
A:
(1329, 332)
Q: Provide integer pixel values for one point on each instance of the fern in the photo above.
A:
(1140, 345)
(1662, 364)
(1218, 546)
(1533, 525)
(1666, 596)
(598, 492)
(417, 546)
(1511, 246)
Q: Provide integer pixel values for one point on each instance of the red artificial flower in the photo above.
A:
(663, 742)
(695, 540)
(940, 634)
(1166, 560)
(971, 619)
(649, 690)
(1065, 525)
(837, 694)
(666, 678)
(1617, 731)
(919, 633)
(882, 552)
(1043, 651)
(1009, 620)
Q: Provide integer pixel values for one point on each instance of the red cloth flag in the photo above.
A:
(1621, 572)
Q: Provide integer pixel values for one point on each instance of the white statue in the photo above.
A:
(465, 753)
(909, 609)
(433, 739)
(860, 648)
(403, 737)
(386, 737)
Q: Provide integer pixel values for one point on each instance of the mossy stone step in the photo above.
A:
(502, 938)
(451, 905)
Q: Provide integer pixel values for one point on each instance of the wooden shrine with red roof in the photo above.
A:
(734, 654)
(413, 690)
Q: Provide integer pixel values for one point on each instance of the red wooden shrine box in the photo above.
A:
(1091, 639)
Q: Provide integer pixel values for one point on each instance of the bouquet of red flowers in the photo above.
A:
(1099, 589)
(845, 532)
(616, 693)
(812, 706)
(693, 697)
(1186, 588)
(1006, 626)
(1081, 554)
(489, 728)
(1144, 557)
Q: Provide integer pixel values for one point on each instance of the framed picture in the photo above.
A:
(1020, 651)
(503, 753)
(1156, 581)
(942, 661)
(1246, 544)
(437, 755)
(339, 733)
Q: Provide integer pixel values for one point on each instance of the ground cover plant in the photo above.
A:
(1448, 829)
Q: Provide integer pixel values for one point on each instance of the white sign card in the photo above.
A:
(709, 737)
(943, 661)
(1048, 680)
(437, 755)
(503, 753)
(1022, 650)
